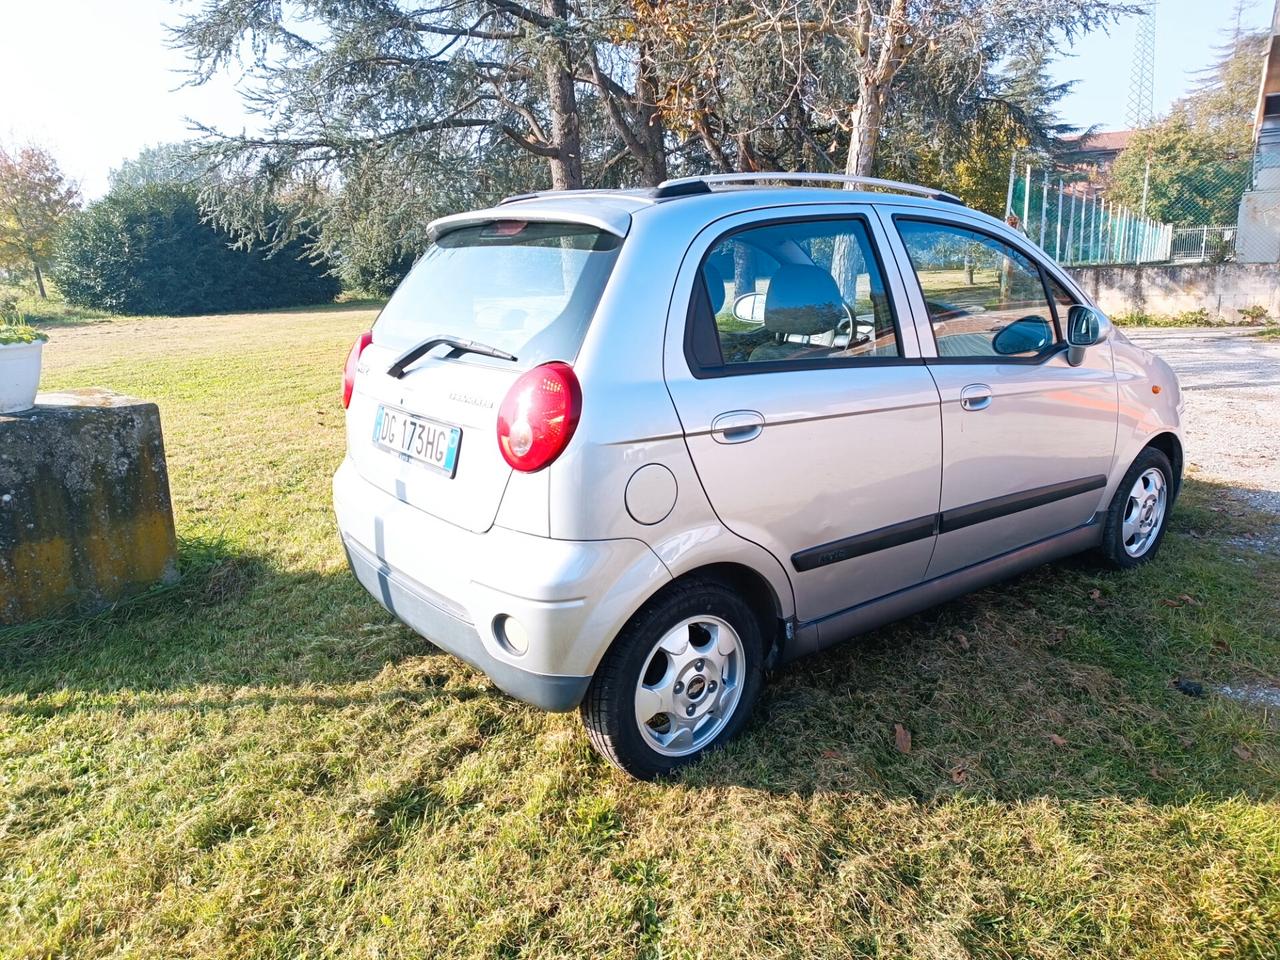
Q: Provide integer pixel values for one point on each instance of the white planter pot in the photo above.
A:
(19, 375)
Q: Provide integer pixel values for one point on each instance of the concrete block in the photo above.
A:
(85, 514)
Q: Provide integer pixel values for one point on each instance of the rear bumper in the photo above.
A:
(451, 585)
(406, 603)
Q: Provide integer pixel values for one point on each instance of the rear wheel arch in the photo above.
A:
(758, 593)
(750, 584)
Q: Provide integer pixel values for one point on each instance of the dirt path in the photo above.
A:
(1231, 383)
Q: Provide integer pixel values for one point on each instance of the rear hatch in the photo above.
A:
(521, 288)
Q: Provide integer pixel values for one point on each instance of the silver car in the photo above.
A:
(627, 450)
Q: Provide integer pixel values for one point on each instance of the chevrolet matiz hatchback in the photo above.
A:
(625, 450)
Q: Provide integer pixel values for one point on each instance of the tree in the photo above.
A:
(849, 64)
(388, 112)
(1192, 168)
(884, 36)
(35, 200)
(148, 250)
(1185, 175)
(164, 163)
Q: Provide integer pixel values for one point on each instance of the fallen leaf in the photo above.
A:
(959, 774)
(1096, 596)
(901, 738)
(1188, 599)
(1244, 753)
(961, 639)
(1171, 603)
(1056, 740)
(829, 754)
(1222, 646)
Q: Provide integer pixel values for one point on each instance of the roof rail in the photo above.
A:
(687, 185)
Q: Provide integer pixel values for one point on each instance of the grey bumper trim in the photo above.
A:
(455, 636)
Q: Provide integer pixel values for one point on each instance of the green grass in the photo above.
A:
(260, 763)
(48, 312)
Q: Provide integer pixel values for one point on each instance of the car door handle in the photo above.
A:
(737, 426)
(976, 396)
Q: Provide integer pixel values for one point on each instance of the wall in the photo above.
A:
(1222, 289)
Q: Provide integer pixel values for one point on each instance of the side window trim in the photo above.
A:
(1057, 347)
(695, 316)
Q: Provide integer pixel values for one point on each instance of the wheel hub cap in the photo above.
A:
(690, 686)
(1144, 512)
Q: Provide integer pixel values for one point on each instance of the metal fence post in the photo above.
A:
(1100, 253)
(1026, 203)
(1097, 229)
(1071, 227)
(1044, 205)
(1013, 175)
(1057, 243)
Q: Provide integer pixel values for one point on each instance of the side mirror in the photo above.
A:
(1086, 327)
(749, 308)
(1027, 335)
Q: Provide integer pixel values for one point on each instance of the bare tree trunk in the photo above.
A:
(39, 281)
(718, 156)
(566, 133)
(864, 120)
(653, 165)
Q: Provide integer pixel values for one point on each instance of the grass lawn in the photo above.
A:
(261, 763)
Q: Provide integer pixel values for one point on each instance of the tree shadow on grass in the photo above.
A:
(1056, 683)
(233, 619)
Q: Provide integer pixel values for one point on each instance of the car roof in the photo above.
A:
(613, 210)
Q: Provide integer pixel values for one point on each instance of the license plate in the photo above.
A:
(418, 439)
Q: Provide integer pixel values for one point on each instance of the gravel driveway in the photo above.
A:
(1231, 382)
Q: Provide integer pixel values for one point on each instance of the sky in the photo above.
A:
(94, 81)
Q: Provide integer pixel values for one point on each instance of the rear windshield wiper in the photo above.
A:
(455, 343)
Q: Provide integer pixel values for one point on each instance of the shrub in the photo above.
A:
(147, 250)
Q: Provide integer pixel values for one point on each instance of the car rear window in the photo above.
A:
(525, 287)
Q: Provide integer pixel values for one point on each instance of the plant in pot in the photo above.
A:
(20, 348)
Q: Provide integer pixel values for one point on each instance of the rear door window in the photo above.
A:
(525, 287)
(807, 292)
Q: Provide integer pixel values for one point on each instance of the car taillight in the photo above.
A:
(538, 416)
(349, 371)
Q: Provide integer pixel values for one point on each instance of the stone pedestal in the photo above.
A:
(85, 515)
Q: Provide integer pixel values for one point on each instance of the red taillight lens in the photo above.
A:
(349, 371)
(538, 416)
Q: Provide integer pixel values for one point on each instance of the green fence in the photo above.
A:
(1071, 218)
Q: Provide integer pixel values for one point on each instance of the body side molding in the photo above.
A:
(957, 518)
(816, 635)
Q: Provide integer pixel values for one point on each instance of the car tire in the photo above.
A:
(693, 659)
(1139, 512)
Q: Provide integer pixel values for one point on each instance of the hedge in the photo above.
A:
(147, 250)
